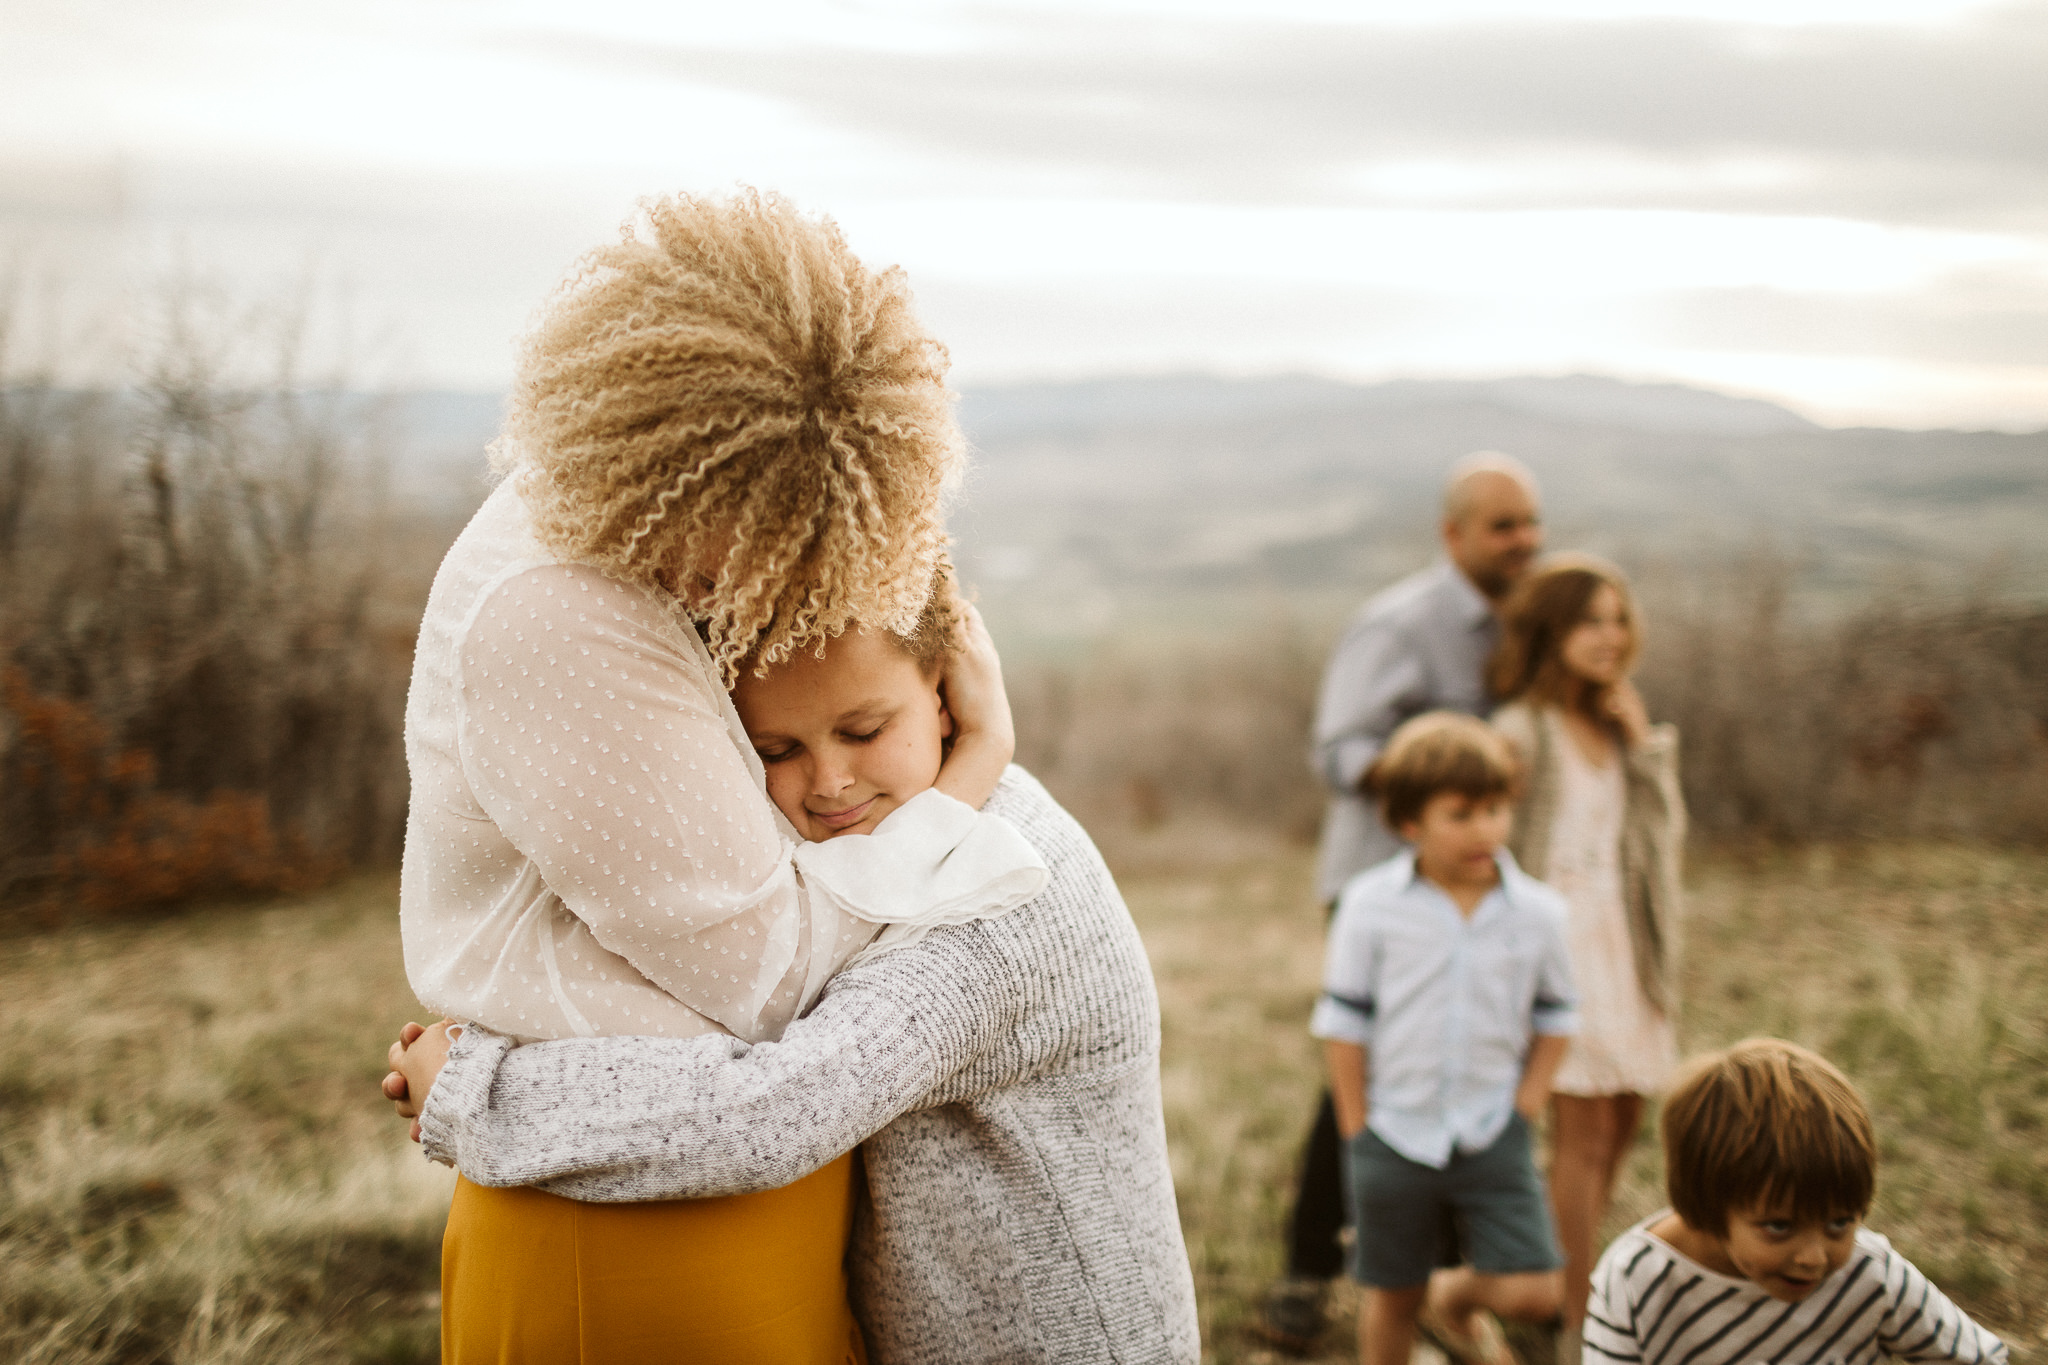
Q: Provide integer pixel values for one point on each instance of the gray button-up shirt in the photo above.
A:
(1422, 645)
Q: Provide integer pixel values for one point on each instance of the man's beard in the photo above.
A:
(1496, 579)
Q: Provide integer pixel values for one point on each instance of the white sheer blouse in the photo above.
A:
(590, 848)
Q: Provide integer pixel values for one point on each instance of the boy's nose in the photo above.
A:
(829, 778)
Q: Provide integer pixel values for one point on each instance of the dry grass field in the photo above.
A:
(194, 1167)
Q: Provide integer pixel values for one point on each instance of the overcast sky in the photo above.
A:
(1841, 206)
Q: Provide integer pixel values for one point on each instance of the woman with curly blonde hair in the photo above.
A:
(729, 442)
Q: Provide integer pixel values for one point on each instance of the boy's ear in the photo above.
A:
(1408, 829)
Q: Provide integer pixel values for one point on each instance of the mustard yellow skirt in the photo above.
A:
(530, 1278)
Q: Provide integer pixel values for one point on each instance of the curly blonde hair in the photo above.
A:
(727, 397)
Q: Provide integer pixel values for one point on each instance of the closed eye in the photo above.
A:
(778, 754)
(858, 738)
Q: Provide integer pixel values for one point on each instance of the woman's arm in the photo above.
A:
(627, 1119)
(594, 741)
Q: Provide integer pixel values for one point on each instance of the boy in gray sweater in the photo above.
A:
(1003, 1076)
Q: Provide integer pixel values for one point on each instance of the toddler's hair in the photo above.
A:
(1760, 1124)
(1440, 751)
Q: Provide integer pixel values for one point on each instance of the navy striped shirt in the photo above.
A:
(1652, 1305)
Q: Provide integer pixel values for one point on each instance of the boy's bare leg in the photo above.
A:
(1456, 1294)
(1386, 1324)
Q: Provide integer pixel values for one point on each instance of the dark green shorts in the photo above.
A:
(1405, 1212)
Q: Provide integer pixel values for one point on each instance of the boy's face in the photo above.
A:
(1784, 1258)
(1457, 836)
(846, 738)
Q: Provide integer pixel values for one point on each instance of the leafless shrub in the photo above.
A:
(1209, 733)
(1896, 720)
(202, 683)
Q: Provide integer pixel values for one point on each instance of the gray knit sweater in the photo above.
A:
(1004, 1076)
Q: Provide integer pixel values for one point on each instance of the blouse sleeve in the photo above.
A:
(596, 738)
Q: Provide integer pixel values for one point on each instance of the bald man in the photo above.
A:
(1421, 645)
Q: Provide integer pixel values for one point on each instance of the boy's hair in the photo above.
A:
(1761, 1123)
(931, 639)
(1440, 751)
(727, 390)
(928, 641)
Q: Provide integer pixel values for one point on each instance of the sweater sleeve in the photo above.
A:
(628, 1119)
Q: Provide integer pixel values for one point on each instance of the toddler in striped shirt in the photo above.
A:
(1770, 1164)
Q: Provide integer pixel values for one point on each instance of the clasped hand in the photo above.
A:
(416, 1060)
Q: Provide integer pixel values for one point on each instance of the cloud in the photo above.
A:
(1069, 329)
(1986, 318)
(1901, 124)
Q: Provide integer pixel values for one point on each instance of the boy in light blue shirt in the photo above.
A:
(1447, 1006)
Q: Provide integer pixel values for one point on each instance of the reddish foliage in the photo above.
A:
(119, 842)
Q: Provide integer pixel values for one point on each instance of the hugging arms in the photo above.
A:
(1003, 1075)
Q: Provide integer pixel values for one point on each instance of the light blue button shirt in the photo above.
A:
(1446, 1005)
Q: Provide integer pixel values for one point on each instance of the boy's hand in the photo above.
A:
(1347, 1064)
(984, 734)
(1546, 1055)
(416, 1060)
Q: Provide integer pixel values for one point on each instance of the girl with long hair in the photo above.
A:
(1602, 821)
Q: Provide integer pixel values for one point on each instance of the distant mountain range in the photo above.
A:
(1095, 504)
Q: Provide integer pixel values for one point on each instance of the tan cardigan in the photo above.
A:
(1652, 834)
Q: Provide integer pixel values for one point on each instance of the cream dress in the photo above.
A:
(1625, 1045)
(590, 849)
